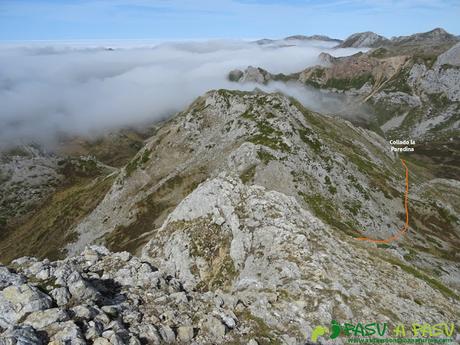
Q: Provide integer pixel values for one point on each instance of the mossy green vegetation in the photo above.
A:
(425, 59)
(152, 211)
(138, 162)
(411, 255)
(284, 77)
(248, 175)
(313, 119)
(332, 189)
(439, 100)
(398, 83)
(260, 331)
(326, 210)
(359, 187)
(76, 168)
(379, 53)
(270, 137)
(378, 178)
(308, 137)
(354, 206)
(349, 83)
(249, 115)
(265, 156)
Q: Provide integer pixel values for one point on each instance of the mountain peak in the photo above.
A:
(435, 36)
(363, 39)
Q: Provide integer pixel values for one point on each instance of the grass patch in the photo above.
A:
(435, 284)
(248, 175)
(260, 331)
(325, 210)
(152, 211)
(270, 137)
(249, 115)
(399, 82)
(349, 83)
(50, 228)
(138, 162)
(307, 137)
(354, 207)
(265, 156)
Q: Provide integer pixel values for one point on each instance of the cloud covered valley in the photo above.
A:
(85, 89)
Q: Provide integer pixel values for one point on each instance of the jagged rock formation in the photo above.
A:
(345, 175)
(102, 298)
(250, 75)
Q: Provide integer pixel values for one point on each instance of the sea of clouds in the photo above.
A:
(86, 88)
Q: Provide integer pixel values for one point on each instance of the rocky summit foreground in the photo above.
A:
(239, 264)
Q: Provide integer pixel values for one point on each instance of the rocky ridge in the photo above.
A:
(345, 175)
(232, 263)
(244, 233)
(434, 40)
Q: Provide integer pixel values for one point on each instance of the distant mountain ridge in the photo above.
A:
(370, 39)
(323, 38)
(412, 82)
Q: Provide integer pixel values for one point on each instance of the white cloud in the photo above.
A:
(83, 89)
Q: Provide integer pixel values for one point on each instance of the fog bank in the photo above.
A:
(85, 89)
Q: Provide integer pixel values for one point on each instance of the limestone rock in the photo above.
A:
(18, 300)
(20, 335)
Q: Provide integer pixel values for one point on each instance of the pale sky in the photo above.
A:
(202, 19)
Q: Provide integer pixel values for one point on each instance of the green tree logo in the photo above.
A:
(318, 331)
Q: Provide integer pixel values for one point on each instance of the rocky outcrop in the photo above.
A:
(450, 58)
(250, 75)
(343, 175)
(27, 176)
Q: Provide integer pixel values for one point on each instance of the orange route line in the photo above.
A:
(404, 229)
